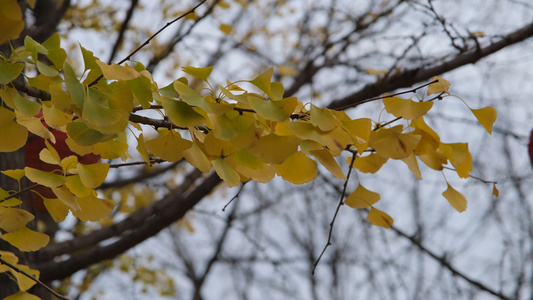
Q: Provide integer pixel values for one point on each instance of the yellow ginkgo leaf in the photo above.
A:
(66, 196)
(101, 115)
(435, 160)
(335, 140)
(273, 110)
(111, 149)
(412, 163)
(11, 20)
(230, 125)
(217, 147)
(50, 156)
(20, 295)
(81, 135)
(278, 91)
(392, 143)
(16, 174)
(9, 202)
(251, 167)
(77, 187)
(26, 239)
(460, 157)
(10, 131)
(27, 107)
(275, 149)
(93, 208)
(35, 126)
(23, 281)
(193, 98)
(420, 124)
(327, 160)
(441, 86)
(429, 139)
(93, 175)
(360, 128)
(15, 133)
(322, 118)
(262, 175)
(56, 208)
(169, 147)
(263, 82)
(117, 72)
(141, 149)
(69, 164)
(10, 258)
(49, 179)
(456, 199)
(362, 198)
(12, 219)
(202, 73)
(10, 71)
(249, 137)
(246, 159)
(226, 172)
(406, 108)
(197, 158)
(486, 117)
(226, 28)
(297, 169)
(370, 163)
(379, 218)
(54, 117)
(181, 113)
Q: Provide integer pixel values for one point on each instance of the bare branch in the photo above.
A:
(444, 262)
(410, 77)
(130, 232)
(341, 202)
(122, 30)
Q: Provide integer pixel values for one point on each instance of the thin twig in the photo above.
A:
(33, 278)
(387, 96)
(341, 201)
(150, 39)
(234, 197)
(472, 176)
(26, 189)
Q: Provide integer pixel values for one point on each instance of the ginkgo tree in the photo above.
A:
(236, 131)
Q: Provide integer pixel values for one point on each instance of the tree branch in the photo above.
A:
(410, 77)
(129, 224)
(443, 262)
(166, 211)
(122, 30)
